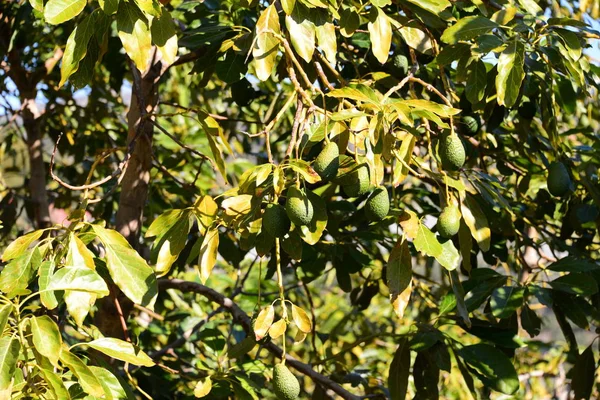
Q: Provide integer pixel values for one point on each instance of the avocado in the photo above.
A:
(470, 125)
(298, 207)
(378, 204)
(400, 65)
(527, 110)
(328, 161)
(452, 153)
(449, 221)
(559, 181)
(285, 384)
(357, 182)
(275, 221)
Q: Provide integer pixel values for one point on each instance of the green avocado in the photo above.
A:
(298, 207)
(452, 153)
(328, 161)
(378, 204)
(275, 221)
(357, 182)
(449, 221)
(559, 181)
(285, 384)
(400, 65)
(470, 125)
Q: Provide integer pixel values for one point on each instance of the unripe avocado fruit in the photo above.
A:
(559, 181)
(285, 384)
(378, 204)
(400, 65)
(452, 153)
(328, 161)
(449, 221)
(298, 207)
(275, 221)
(357, 182)
(470, 125)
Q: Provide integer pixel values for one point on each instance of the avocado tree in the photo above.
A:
(299, 199)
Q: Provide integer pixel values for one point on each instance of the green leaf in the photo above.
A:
(10, 347)
(127, 268)
(459, 297)
(15, 277)
(288, 6)
(79, 279)
(530, 321)
(150, 7)
(425, 242)
(55, 382)
(313, 232)
(266, 44)
(79, 304)
(399, 371)
(468, 28)
(506, 300)
(477, 222)
(58, 11)
(208, 253)
(20, 245)
(88, 381)
(416, 38)
(134, 32)
(46, 338)
(380, 31)
(583, 374)
(164, 36)
(399, 277)
(449, 258)
(433, 6)
(47, 297)
(37, 5)
(492, 367)
(109, 6)
(476, 82)
(121, 350)
(573, 264)
(452, 53)
(510, 73)
(5, 312)
(349, 21)
(111, 384)
(301, 31)
(576, 283)
(359, 92)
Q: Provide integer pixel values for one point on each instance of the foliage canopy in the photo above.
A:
(240, 181)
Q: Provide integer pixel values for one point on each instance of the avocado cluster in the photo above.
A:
(285, 384)
(356, 181)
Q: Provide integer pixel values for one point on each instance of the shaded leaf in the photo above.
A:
(583, 374)
(399, 277)
(576, 283)
(506, 300)
(399, 371)
(492, 367)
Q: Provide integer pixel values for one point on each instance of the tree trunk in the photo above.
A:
(37, 180)
(134, 192)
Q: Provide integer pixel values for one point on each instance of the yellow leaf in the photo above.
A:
(208, 253)
(263, 322)
(277, 329)
(79, 255)
(134, 32)
(266, 44)
(301, 319)
(476, 221)
(237, 206)
(409, 223)
(380, 30)
(205, 209)
(300, 336)
(203, 387)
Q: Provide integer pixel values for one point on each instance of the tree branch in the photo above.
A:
(240, 317)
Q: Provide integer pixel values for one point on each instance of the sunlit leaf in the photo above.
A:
(301, 319)
(263, 322)
(208, 253)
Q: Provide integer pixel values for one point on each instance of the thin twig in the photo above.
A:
(297, 118)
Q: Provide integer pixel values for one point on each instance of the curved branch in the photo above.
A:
(240, 317)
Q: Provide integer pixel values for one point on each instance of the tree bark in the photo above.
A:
(134, 190)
